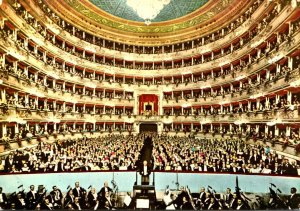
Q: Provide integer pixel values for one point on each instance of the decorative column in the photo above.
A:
(4, 129)
(256, 128)
(3, 60)
(136, 104)
(290, 62)
(289, 97)
(16, 128)
(276, 131)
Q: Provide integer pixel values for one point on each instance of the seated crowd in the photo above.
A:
(114, 152)
(223, 155)
(170, 153)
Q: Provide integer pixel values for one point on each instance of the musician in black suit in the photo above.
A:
(206, 202)
(213, 205)
(106, 202)
(294, 199)
(233, 202)
(76, 204)
(202, 196)
(3, 200)
(241, 205)
(19, 202)
(103, 194)
(92, 199)
(80, 193)
(186, 204)
(46, 205)
(228, 197)
(69, 199)
(179, 199)
(103, 190)
(56, 197)
(31, 198)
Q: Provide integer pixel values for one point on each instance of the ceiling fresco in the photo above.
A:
(175, 9)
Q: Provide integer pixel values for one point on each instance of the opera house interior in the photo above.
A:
(93, 116)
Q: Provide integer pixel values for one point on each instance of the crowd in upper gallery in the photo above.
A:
(217, 53)
(284, 71)
(266, 78)
(243, 108)
(33, 76)
(248, 107)
(156, 50)
(74, 70)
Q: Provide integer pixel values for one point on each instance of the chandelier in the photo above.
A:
(147, 9)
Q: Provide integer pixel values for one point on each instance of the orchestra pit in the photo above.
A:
(149, 104)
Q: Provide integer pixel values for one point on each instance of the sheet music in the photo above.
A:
(127, 200)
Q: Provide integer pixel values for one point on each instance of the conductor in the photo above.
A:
(145, 172)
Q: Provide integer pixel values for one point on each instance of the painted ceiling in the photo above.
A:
(175, 9)
(179, 21)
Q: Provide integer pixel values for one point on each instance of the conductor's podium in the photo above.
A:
(145, 197)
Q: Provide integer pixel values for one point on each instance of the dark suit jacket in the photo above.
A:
(187, 206)
(243, 171)
(293, 201)
(31, 200)
(228, 198)
(211, 169)
(255, 159)
(75, 206)
(101, 193)
(276, 171)
(53, 194)
(243, 207)
(224, 170)
(80, 193)
(92, 201)
(202, 197)
(45, 207)
(142, 170)
(3, 205)
(8, 164)
(215, 206)
(69, 200)
(60, 167)
(4, 197)
(179, 200)
(18, 205)
(233, 203)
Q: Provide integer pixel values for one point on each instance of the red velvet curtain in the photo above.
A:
(144, 99)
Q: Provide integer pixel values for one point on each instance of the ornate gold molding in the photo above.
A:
(88, 10)
(207, 18)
